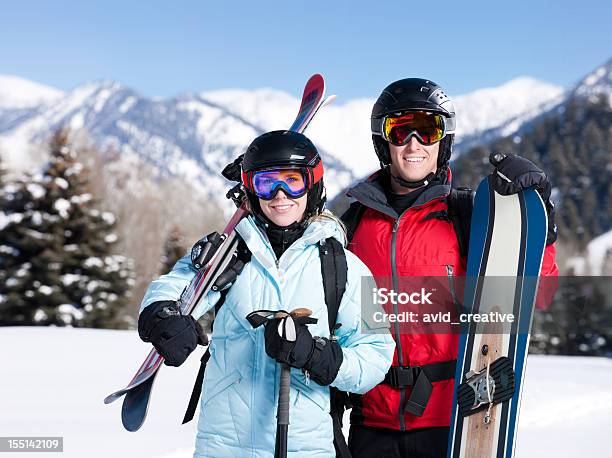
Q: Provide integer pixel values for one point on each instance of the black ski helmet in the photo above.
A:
(414, 94)
(285, 148)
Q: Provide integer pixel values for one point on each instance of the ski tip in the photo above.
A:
(112, 397)
(330, 99)
(313, 78)
(131, 427)
(132, 420)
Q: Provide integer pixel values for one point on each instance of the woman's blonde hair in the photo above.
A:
(327, 215)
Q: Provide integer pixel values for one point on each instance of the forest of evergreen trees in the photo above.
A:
(59, 258)
(574, 147)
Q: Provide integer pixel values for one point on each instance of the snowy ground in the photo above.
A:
(53, 381)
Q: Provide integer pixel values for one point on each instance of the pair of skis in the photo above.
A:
(138, 391)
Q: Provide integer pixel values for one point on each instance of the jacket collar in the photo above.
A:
(257, 240)
(371, 193)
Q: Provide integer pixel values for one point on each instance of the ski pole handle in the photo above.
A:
(282, 414)
(285, 378)
(256, 319)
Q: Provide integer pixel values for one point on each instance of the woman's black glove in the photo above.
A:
(514, 173)
(173, 335)
(318, 356)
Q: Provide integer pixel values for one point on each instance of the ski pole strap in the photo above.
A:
(197, 388)
(420, 378)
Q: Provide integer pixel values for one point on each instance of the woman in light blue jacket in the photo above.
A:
(283, 179)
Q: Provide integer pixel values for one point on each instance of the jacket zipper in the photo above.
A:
(451, 281)
(453, 291)
(398, 342)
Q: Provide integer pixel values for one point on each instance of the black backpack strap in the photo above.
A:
(197, 388)
(352, 217)
(460, 205)
(242, 257)
(334, 270)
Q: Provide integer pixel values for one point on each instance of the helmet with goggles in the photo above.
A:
(283, 160)
(413, 107)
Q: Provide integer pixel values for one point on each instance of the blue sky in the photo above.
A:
(162, 48)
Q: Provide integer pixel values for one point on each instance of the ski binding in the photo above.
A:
(491, 385)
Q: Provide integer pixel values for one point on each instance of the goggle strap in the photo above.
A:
(246, 180)
(317, 173)
(376, 125)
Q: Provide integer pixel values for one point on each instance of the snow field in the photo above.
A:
(53, 382)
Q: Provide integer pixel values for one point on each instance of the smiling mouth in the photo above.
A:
(413, 159)
(282, 208)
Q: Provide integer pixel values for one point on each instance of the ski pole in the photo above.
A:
(256, 319)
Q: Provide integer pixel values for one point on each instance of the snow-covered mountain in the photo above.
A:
(549, 99)
(194, 135)
(343, 128)
(488, 108)
(185, 136)
(596, 83)
(17, 92)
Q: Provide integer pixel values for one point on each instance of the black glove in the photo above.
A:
(173, 335)
(319, 356)
(514, 173)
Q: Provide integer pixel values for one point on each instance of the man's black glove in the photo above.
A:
(173, 335)
(514, 173)
(319, 356)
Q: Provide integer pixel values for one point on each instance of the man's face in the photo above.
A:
(414, 161)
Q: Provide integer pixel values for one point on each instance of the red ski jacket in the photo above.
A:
(409, 245)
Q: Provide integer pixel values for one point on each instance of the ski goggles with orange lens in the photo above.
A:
(294, 181)
(398, 129)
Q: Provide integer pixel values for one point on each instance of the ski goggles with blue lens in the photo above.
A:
(399, 128)
(294, 181)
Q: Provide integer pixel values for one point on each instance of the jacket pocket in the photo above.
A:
(213, 387)
(318, 395)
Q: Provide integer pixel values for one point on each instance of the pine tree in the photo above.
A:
(3, 222)
(59, 266)
(174, 249)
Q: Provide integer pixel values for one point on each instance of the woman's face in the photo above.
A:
(282, 210)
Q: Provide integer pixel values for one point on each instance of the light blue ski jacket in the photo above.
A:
(240, 392)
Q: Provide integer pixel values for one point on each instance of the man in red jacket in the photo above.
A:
(404, 224)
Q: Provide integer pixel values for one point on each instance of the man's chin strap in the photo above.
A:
(413, 184)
